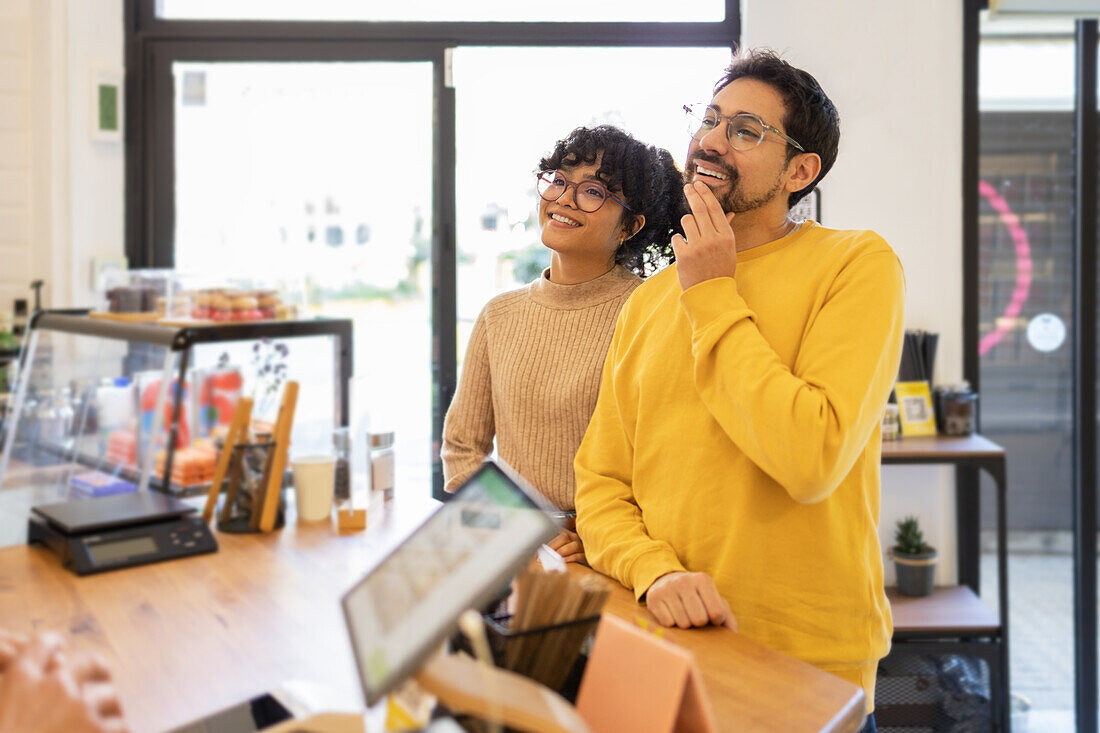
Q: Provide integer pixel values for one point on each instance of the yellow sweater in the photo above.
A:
(530, 377)
(737, 434)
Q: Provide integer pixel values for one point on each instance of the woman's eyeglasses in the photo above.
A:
(588, 195)
(745, 131)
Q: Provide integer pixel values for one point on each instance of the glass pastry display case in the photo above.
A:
(180, 299)
(104, 406)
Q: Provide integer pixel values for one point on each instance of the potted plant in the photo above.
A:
(914, 559)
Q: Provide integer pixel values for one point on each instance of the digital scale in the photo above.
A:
(112, 532)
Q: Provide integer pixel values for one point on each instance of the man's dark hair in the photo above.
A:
(645, 176)
(810, 117)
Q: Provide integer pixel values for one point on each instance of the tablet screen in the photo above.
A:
(459, 558)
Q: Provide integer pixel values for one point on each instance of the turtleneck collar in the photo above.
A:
(608, 286)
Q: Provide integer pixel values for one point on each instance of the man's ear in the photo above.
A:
(802, 170)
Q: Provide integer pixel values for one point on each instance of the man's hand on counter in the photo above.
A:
(687, 600)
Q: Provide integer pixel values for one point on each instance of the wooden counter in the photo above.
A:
(188, 637)
(751, 687)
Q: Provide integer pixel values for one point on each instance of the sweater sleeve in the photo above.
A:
(804, 426)
(609, 521)
(469, 426)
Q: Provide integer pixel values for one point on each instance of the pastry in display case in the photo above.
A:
(236, 305)
(103, 406)
(145, 295)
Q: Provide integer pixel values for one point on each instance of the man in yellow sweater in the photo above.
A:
(730, 472)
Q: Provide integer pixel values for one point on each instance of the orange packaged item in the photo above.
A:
(122, 448)
(218, 395)
(190, 466)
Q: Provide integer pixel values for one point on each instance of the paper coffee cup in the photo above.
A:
(314, 479)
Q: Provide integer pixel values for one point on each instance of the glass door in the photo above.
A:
(1025, 347)
(314, 178)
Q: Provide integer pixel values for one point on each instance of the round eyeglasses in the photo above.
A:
(588, 195)
(744, 130)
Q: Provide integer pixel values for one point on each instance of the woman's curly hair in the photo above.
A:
(645, 176)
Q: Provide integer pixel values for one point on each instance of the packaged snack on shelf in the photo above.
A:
(122, 448)
(191, 466)
(92, 484)
(219, 393)
(149, 384)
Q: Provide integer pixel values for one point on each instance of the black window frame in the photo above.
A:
(1083, 331)
(153, 44)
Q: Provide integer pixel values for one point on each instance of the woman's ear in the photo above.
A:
(633, 226)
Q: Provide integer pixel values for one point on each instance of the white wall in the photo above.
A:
(61, 194)
(17, 118)
(894, 71)
(95, 44)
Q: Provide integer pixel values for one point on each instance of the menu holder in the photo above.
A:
(915, 408)
(665, 691)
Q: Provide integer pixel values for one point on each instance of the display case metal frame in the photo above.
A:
(179, 340)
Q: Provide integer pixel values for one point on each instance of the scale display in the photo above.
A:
(106, 552)
(109, 533)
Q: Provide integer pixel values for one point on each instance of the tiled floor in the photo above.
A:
(1040, 593)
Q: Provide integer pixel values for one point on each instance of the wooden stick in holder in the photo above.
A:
(281, 437)
(238, 433)
(549, 606)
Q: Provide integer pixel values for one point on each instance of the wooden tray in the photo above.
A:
(127, 317)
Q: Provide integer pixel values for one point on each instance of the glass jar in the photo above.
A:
(341, 444)
(382, 464)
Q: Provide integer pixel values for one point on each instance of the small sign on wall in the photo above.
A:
(808, 207)
(107, 106)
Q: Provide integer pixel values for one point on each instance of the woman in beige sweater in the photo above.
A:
(609, 207)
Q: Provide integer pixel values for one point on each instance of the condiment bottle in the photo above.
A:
(382, 464)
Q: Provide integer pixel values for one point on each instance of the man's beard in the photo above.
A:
(733, 200)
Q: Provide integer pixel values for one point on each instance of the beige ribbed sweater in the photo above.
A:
(531, 377)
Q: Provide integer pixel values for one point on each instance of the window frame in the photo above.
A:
(153, 44)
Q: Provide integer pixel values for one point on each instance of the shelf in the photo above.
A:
(939, 449)
(950, 610)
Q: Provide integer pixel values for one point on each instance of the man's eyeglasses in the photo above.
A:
(588, 195)
(745, 130)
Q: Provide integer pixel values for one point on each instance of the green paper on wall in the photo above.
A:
(108, 107)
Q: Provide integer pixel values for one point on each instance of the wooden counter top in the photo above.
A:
(189, 637)
(751, 687)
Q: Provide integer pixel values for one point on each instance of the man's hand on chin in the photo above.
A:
(710, 249)
(688, 599)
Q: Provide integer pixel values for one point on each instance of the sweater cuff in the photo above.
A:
(649, 567)
(711, 299)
